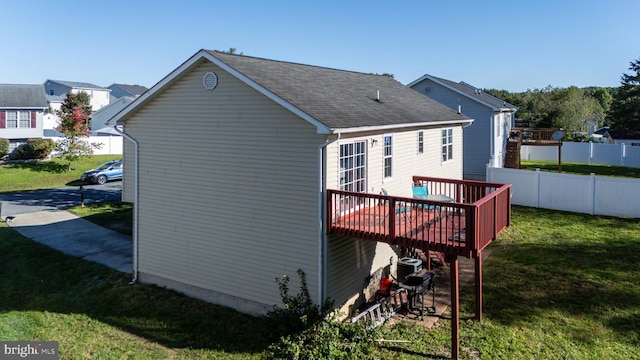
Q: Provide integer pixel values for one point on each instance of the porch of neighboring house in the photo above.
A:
(466, 219)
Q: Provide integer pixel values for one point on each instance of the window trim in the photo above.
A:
(446, 144)
(420, 149)
(388, 157)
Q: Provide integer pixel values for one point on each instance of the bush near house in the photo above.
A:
(4, 147)
(40, 148)
(34, 149)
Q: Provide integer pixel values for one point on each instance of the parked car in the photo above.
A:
(108, 171)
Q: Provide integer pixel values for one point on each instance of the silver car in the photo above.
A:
(108, 171)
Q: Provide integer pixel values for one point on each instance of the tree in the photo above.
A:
(624, 113)
(74, 123)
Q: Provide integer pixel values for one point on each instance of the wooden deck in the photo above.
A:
(535, 136)
(465, 226)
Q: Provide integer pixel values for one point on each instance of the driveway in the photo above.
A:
(62, 198)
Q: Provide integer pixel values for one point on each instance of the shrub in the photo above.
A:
(4, 147)
(20, 153)
(306, 331)
(40, 148)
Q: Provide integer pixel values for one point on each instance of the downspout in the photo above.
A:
(492, 147)
(134, 265)
(322, 246)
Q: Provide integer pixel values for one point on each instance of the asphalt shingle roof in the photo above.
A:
(22, 96)
(131, 89)
(624, 134)
(476, 93)
(77, 85)
(339, 98)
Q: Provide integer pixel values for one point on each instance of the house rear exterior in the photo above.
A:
(56, 91)
(22, 108)
(228, 160)
(485, 141)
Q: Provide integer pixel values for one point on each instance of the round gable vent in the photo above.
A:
(427, 89)
(210, 80)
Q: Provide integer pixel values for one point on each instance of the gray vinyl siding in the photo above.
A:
(351, 262)
(477, 137)
(228, 190)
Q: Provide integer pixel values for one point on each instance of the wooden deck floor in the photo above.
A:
(436, 227)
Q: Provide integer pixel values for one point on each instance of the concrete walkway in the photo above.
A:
(63, 231)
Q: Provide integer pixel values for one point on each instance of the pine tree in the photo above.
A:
(624, 113)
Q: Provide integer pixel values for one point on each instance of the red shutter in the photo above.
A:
(3, 119)
(33, 120)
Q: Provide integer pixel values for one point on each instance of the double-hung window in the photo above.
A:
(18, 119)
(420, 142)
(387, 156)
(447, 144)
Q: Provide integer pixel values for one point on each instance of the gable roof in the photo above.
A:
(471, 92)
(20, 96)
(623, 134)
(330, 99)
(76, 84)
(134, 90)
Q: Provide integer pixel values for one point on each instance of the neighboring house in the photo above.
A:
(627, 137)
(228, 162)
(100, 118)
(124, 90)
(485, 141)
(597, 135)
(56, 90)
(22, 108)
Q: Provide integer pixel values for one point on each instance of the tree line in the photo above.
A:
(573, 109)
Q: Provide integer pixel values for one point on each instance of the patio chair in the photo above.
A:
(420, 192)
(399, 209)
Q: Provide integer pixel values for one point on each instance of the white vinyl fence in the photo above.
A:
(596, 195)
(585, 153)
(110, 144)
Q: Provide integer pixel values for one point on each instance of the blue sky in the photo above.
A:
(512, 45)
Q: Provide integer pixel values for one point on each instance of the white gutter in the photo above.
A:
(400, 126)
(321, 219)
(134, 265)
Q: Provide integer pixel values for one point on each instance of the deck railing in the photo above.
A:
(480, 210)
(533, 136)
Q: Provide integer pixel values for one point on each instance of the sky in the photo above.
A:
(513, 45)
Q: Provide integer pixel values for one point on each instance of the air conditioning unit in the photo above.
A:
(407, 266)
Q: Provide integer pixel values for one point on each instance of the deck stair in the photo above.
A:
(512, 156)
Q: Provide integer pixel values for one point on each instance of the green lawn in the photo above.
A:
(20, 176)
(557, 286)
(582, 169)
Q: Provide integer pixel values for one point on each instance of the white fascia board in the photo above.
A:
(22, 108)
(320, 127)
(417, 81)
(142, 99)
(493, 108)
(401, 126)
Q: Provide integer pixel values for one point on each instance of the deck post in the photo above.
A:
(391, 214)
(478, 271)
(455, 308)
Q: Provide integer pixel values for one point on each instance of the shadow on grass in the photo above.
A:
(35, 277)
(40, 166)
(595, 280)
